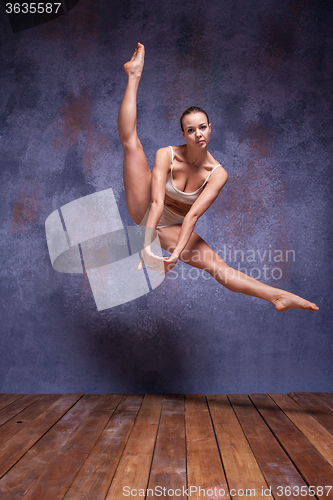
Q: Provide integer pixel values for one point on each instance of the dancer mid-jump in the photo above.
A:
(184, 183)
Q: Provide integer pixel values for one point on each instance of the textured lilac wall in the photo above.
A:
(263, 71)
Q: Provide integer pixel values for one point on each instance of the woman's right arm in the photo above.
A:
(160, 170)
(159, 174)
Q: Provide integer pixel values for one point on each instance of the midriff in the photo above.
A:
(176, 206)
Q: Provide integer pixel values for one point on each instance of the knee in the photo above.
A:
(214, 262)
(131, 145)
(211, 267)
(220, 271)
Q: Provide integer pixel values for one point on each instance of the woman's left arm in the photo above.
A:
(199, 207)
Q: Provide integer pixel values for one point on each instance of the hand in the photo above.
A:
(170, 262)
(152, 261)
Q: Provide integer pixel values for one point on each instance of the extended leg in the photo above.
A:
(198, 254)
(137, 174)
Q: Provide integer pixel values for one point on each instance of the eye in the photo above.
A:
(190, 130)
(203, 127)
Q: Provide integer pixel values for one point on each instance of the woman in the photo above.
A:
(184, 183)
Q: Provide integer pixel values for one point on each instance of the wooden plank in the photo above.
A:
(23, 475)
(14, 426)
(94, 478)
(17, 407)
(242, 471)
(60, 473)
(168, 471)
(324, 398)
(133, 469)
(280, 473)
(321, 438)
(312, 465)
(14, 449)
(205, 475)
(318, 410)
(7, 399)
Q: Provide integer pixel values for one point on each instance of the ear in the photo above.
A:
(210, 127)
(182, 131)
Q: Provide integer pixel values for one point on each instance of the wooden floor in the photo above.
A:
(114, 446)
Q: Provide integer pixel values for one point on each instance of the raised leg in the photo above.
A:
(136, 171)
(198, 254)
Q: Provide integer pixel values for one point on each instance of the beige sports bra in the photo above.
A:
(176, 194)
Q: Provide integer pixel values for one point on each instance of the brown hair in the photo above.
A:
(188, 111)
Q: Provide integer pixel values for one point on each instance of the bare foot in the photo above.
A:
(288, 300)
(135, 65)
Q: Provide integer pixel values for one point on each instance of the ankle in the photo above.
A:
(134, 76)
(277, 295)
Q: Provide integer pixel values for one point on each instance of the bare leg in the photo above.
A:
(198, 254)
(136, 171)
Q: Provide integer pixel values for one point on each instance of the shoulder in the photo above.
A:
(163, 159)
(219, 171)
(164, 152)
(219, 176)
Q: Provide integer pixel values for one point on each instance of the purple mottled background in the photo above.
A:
(263, 71)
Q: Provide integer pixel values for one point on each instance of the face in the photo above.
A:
(196, 130)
